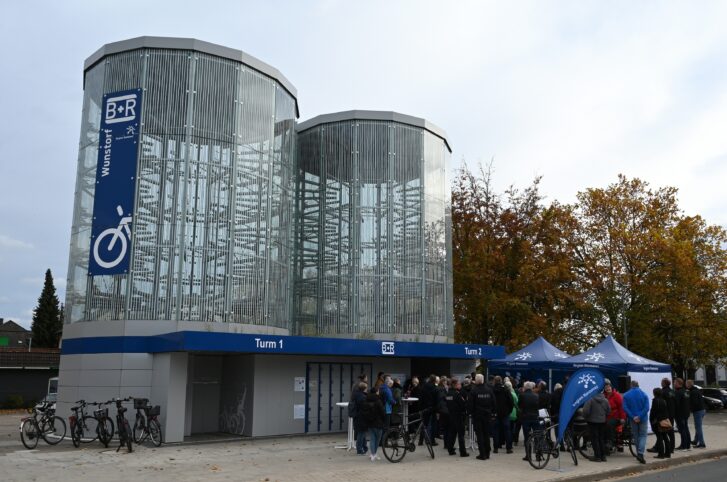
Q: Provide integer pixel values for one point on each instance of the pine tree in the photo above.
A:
(47, 323)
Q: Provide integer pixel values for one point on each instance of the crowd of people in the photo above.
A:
(503, 412)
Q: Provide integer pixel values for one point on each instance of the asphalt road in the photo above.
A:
(715, 471)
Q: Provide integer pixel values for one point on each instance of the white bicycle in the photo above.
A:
(119, 233)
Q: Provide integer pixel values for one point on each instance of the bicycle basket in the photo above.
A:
(101, 413)
(140, 402)
(155, 411)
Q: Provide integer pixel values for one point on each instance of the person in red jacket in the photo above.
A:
(616, 416)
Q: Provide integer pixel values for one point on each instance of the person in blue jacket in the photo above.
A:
(636, 406)
(387, 397)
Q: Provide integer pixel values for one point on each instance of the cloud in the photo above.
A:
(12, 243)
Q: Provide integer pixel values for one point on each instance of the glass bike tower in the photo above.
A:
(373, 245)
(212, 233)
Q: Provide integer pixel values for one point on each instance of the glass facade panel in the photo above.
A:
(373, 248)
(212, 234)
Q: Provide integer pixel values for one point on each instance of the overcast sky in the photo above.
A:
(574, 91)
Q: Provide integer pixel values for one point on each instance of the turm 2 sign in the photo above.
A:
(118, 149)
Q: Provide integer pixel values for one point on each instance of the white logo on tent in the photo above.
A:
(595, 357)
(559, 355)
(638, 359)
(523, 356)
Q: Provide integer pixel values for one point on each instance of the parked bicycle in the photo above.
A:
(126, 436)
(147, 423)
(542, 445)
(49, 427)
(104, 425)
(84, 428)
(397, 441)
(613, 442)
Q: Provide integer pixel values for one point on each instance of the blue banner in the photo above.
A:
(282, 345)
(113, 205)
(582, 386)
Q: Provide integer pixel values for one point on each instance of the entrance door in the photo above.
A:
(326, 385)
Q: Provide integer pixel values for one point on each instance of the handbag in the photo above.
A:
(665, 425)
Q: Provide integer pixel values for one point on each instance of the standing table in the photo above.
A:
(405, 408)
(350, 442)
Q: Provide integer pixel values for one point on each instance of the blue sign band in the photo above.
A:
(288, 345)
(113, 205)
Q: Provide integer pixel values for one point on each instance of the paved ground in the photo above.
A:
(310, 458)
(712, 471)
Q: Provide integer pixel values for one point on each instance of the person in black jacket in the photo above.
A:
(428, 404)
(374, 414)
(528, 404)
(457, 408)
(681, 414)
(481, 404)
(442, 410)
(554, 410)
(503, 408)
(358, 397)
(659, 411)
(698, 408)
(671, 403)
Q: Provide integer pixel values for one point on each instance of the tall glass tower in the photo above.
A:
(373, 246)
(211, 235)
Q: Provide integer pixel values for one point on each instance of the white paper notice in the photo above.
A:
(298, 412)
(299, 384)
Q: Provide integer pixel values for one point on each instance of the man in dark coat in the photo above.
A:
(503, 408)
(358, 397)
(528, 404)
(457, 409)
(428, 403)
(481, 405)
(682, 413)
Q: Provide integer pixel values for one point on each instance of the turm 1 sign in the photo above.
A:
(113, 208)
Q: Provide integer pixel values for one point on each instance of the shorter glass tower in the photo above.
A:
(372, 235)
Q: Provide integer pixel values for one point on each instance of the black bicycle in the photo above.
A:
(84, 428)
(49, 427)
(615, 441)
(542, 445)
(104, 424)
(147, 423)
(397, 441)
(126, 436)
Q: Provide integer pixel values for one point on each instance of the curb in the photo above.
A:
(642, 468)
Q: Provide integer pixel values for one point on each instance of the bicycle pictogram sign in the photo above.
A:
(103, 245)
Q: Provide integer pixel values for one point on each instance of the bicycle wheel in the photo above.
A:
(585, 447)
(127, 429)
(632, 447)
(155, 432)
(428, 443)
(29, 434)
(53, 430)
(139, 429)
(76, 434)
(538, 451)
(571, 448)
(90, 429)
(105, 431)
(393, 444)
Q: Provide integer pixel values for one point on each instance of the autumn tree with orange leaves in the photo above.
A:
(622, 260)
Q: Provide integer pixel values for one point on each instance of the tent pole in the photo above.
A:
(550, 380)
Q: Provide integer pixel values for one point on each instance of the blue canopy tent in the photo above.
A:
(613, 359)
(539, 356)
(610, 356)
